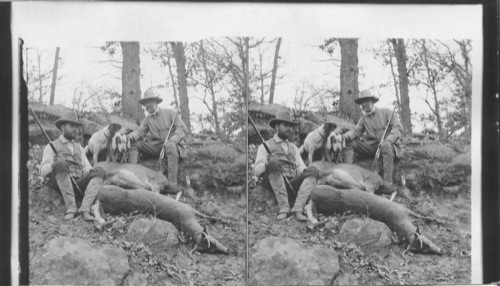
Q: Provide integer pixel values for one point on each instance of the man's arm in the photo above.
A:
(356, 132)
(140, 132)
(85, 162)
(180, 129)
(301, 166)
(47, 161)
(260, 161)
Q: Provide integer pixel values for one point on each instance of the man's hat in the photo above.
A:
(283, 116)
(365, 94)
(70, 117)
(150, 95)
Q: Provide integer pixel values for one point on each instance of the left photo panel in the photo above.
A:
(136, 162)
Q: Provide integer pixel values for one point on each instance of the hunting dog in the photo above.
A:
(316, 140)
(101, 141)
(119, 147)
(335, 144)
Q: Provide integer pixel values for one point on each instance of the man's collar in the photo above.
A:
(278, 139)
(64, 140)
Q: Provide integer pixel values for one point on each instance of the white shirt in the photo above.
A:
(261, 158)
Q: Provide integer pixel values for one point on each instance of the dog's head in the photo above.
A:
(113, 128)
(335, 143)
(120, 143)
(329, 127)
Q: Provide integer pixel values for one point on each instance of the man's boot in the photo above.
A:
(279, 189)
(90, 195)
(66, 187)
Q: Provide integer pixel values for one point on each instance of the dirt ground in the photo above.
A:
(161, 267)
(383, 266)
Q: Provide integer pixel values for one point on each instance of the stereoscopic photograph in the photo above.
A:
(202, 146)
(137, 163)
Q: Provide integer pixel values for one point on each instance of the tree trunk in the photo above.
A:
(400, 53)
(174, 89)
(246, 69)
(40, 77)
(349, 89)
(210, 86)
(180, 61)
(131, 81)
(275, 71)
(431, 84)
(54, 77)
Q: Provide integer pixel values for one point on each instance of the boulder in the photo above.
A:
(155, 233)
(72, 260)
(135, 279)
(284, 261)
(365, 232)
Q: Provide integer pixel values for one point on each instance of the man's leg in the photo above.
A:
(172, 156)
(60, 174)
(361, 148)
(275, 177)
(148, 149)
(387, 151)
(303, 194)
(91, 183)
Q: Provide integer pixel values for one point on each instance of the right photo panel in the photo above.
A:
(359, 161)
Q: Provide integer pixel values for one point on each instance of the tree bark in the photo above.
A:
(246, 68)
(131, 81)
(54, 77)
(180, 61)
(174, 89)
(275, 71)
(400, 53)
(349, 88)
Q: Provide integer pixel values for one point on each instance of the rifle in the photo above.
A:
(377, 154)
(52, 146)
(287, 183)
(162, 153)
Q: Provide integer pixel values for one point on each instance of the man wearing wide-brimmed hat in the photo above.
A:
(285, 161)
(372, 125)
(71, 161)
(158, 122)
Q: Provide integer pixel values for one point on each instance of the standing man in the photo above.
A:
(71, 162)
(372, 125)
(158, 122)
(285, 161)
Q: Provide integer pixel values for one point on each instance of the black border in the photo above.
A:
(490, 185)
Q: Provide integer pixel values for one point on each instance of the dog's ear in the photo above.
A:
(128, 141)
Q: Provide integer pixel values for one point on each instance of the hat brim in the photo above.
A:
(144, 100)
(359, 100)
(60, 122)
(273, 122)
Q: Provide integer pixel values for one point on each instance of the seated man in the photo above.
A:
(158, 122)
(285, 161)
(71, 161)
(372, 124)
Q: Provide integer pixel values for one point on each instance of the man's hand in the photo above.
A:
(311, 171)
(273, 166)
